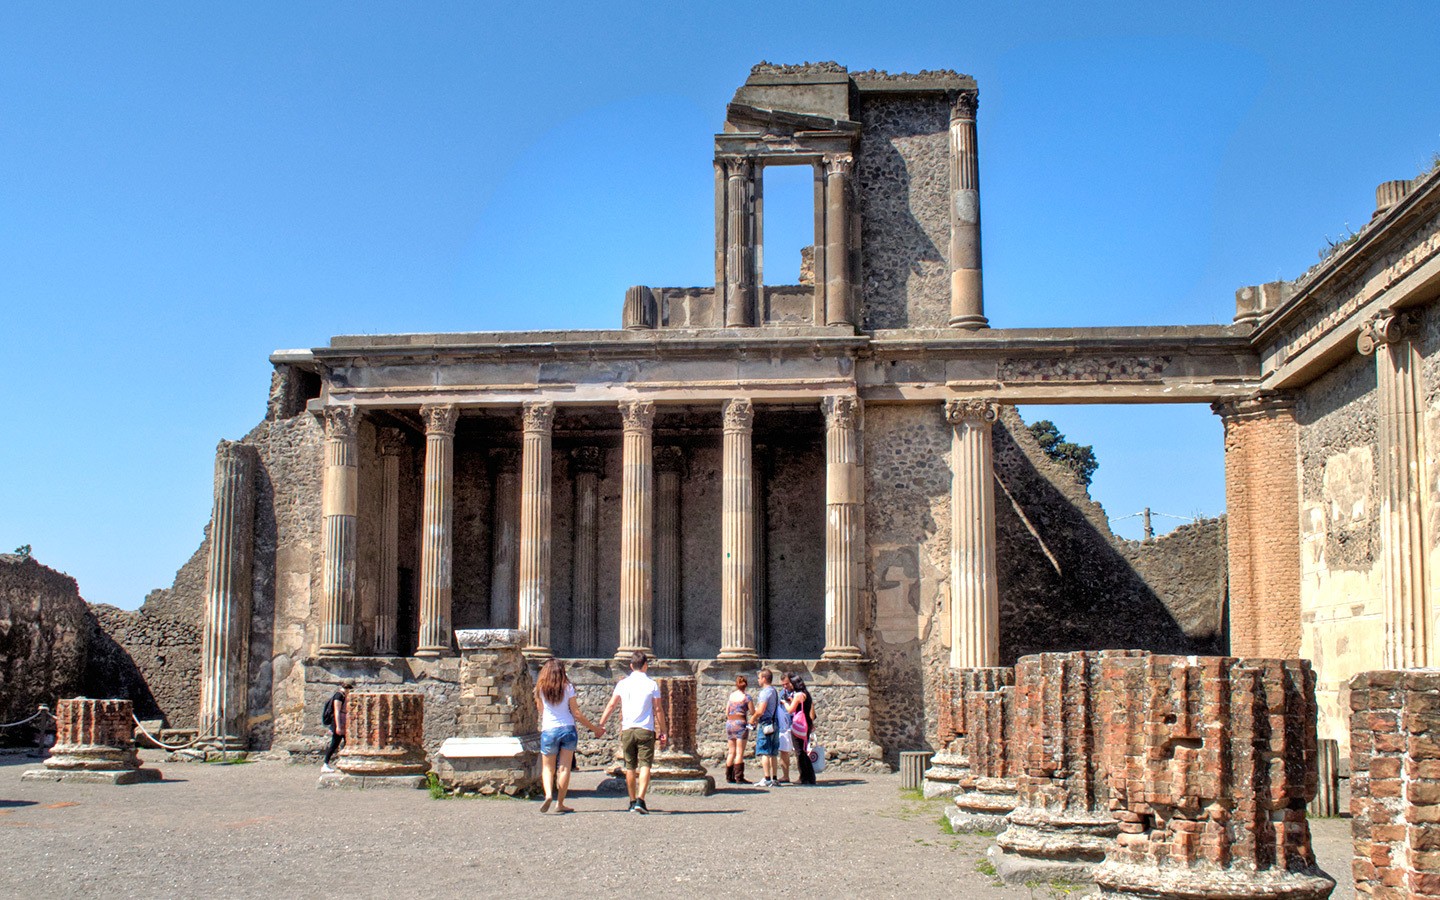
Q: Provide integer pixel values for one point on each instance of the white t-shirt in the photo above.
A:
(558, 715)
(638, 693)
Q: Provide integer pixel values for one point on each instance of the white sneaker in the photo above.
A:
(327, 768)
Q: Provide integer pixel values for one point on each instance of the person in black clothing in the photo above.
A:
(802, 725)
(333, 717)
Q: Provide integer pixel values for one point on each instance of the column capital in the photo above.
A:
(588, 459)
(538, 415)
(340, 422)
(839, 164)
(389, 441)
(970, 409)
(738, 166)
(1264, 405)
(637, 415)
(840, 410)
(440, 418)
(1388, 326)
(964, 105)
(739, 414)
(669, 458)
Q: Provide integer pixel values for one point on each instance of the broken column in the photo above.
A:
(224, 649)
(384, 742)
(498, 750)
(1210, 761)
(948, 765)
(1395, 783)
(1061, 825)
(678, 769)
(94, 742)
(987, 790)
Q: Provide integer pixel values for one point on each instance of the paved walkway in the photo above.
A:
(263, 830)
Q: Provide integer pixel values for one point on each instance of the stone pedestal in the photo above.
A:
(498, 749)
(987, 791)
(384, 742)
(949, 764)
(1210, 762)
(1061, 825)
(94, 742)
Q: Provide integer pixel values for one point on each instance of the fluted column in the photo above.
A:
(967, 304)
(844, 483)
(391, 442)
(637, 527)
(669, 466)
(505, 539)
(224, 643)
(737, 625)
(538, 419)
(1405, 544)
(837, 240)
(974, 590)
(436, 534)
(740, 242)
(339, 506)
(588, 463)
(760, 548)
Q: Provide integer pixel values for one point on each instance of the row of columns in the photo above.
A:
(650, 549)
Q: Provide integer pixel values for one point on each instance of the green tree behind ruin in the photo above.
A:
(1080, 459)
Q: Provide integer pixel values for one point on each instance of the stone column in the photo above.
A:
(436, 533)
(740, 243)
(838, 310)
(974, 590)
(1262, 530)
(94, 742)
(384, 735)
(588, 463)
(1404, 541)
(340, 504)
(224, 650)
(678, 769)
(391, 442)
(505, 539)
(669, 466)
(987, 789)
(844, 543)
(539, 419)
(737, 511)
(967, 305)
(637, 528)
(760, 460)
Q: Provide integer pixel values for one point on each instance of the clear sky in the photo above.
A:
(185, 188)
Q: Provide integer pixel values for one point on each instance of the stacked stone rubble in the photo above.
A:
(949, 765)
(987, 790)
(1395, 783)
(498, 750)
(384, 735)
(94, 741)
(1210, 763)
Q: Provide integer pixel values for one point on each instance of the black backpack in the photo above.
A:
(327, 715)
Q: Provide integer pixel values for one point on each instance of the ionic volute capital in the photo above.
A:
(971, 410)
(839, 165)
(538, 415)
(841, 410)
(637, 415)
(440, 418)
(965, 105)
(588, 459)
(739, 414)
(1387, 327)
(340, 422)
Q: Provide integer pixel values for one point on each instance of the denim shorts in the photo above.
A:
(767, 744)
(553, 740)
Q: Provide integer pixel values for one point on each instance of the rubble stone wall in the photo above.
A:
(45, 637)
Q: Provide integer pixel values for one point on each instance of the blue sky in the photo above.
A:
(184, 190)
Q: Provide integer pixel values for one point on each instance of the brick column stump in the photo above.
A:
(678, 769)
(949, 764)
(498, 750)
(987, 791)
(384, 742)
(94, 743)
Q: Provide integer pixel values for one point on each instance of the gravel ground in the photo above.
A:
(263, 830)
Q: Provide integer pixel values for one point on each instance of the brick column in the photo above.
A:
(844, 541)
(538, 419)
(637, 528)
(94, 735)
(987, 791)
(224, 650)
(587, 463)
(384, 735)
(974, 589)
(436, 533)
(967, 303)
(669, 466)
(339, 508)
(737, 612)
(505, 539)
(1262, 507)
(949, 765)
(678, 768)
(391, 443)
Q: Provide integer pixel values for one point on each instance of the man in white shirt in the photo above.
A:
(639, 717)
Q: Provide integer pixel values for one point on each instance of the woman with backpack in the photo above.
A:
(802, 723)
(555, 700)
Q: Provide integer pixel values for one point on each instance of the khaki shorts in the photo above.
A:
(638, 747)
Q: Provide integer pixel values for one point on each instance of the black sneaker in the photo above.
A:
(631, 807)
(641, 808)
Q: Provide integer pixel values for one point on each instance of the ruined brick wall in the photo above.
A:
(902, 184)
(1187, 568)
(1342, 612)
(45, 637)
(1395, 784)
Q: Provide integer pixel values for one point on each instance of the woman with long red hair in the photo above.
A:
(555, 700)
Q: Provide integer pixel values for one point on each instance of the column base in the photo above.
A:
(969, 323)
(91, 776)
(850, 654)
(434, 652)
(738, 654)
(536, 653)
(335, 650)
(623, 654)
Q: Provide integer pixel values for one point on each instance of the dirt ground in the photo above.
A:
(263, 830)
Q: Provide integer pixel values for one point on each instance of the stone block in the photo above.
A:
(490, 765)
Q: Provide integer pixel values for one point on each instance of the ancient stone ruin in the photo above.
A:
(497, 749)
(94, 742)
(384, 742)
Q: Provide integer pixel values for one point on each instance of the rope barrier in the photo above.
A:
(42, 711)
(162, 744)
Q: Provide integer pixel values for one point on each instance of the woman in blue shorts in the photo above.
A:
(555, 699)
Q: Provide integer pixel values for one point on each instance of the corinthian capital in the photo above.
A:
(840, 410)
(739, 414)
(840, 164)
(739, 167)
(965, 105)
(638, 415)
(340, 423)
(538, 415)
(972, 410)
(440, 418)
